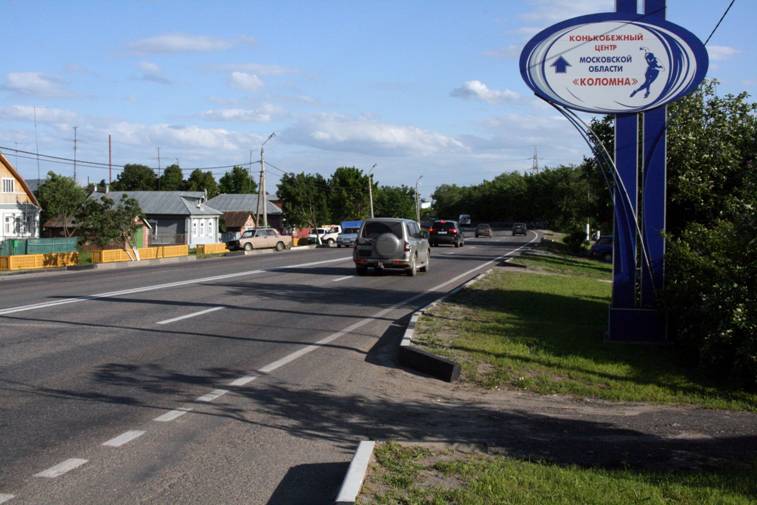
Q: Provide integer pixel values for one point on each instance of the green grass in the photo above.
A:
(545, 333)
(565, 264)
(85, 257)
(412, 476)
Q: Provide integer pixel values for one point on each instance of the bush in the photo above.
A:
(575, 241)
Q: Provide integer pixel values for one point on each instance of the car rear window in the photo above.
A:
(446, 225)
(351, 230)
(377, 228)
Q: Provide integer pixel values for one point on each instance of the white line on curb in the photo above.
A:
(171, 415)
(61, 468)
(193, 314)
(242, 380)
(5, 497)
(143, 289)
(213, 395)
(353, 481)
(124, 438)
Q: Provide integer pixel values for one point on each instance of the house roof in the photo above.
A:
(236, 219)
(244, 202)
(20, 179)
(174, 203)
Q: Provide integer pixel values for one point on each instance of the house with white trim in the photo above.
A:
(19, 208)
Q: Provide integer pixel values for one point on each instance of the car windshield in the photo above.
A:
(483, 226)
(351, 230)
(604, 240)
(376, 228)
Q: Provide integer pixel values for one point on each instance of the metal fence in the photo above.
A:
(13, 247)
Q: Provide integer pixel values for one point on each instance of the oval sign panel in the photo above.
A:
(613, 64)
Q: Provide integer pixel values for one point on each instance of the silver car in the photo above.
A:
(389, 243)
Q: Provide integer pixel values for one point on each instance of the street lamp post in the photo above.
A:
(262, 204)
(417, 200)
(370, 187)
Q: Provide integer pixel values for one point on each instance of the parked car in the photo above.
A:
(602, 248)
(389, 243)
(328, 234)
(261, 238)
(520, 229)
(446, 232)
(483, 230)
(350, 229)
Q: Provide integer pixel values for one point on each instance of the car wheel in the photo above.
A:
(248, 247)
(413, 270)
(330, 242)
(280, 246)
(425, 267)
(361, 270)
(457, 244)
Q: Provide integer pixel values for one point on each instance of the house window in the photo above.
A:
(210, 227)
(194, 228)
(9, 186)
(202, 227)
(8, 225)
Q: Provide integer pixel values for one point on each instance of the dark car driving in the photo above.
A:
(483, 230)
(602, 248)
(520, 229)
(446, 232)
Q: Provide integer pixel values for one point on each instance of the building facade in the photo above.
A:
(19, 209)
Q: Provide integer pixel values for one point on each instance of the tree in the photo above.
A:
(135, 177)
(349, 193)
(395, 201)
(172, 178)
(202, 181)
(60, 196)
(238, 181)
(103, 222)
(306, 199)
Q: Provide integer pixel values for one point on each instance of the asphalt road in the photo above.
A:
(158, 384)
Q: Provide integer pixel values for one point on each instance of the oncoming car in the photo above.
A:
(483, 230)
(389, 243)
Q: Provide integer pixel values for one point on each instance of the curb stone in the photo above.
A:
(353, 479)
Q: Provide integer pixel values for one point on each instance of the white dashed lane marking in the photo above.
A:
(61, 468)
(338, 279)
(5, 497)
(242, 380)
(171, 415)
(187, 316)
(213, 395)
(124, 438)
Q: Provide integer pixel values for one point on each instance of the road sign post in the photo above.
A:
(631, 65)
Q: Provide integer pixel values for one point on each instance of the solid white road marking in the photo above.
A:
(193, 314)
(242, 380)
(171, 415)
(5, 497)
(61, 468)
(213, 395)
(338, 279)
(124, 438)
(143, 289)
(312, 347)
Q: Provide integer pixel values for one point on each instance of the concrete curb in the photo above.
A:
(426, 362)
(143, 263)
(355, 476)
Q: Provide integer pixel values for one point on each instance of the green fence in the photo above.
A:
(12, 247)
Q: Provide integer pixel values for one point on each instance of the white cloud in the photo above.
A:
(44, 114)
(257, 68)
(361, 135)
(179, 137)
(245, 81)
(263, 114)
(507, 53)
(479, 90)
(557, 10)
(180, 43)
(721, 53)
(152, 72)
(34, 84)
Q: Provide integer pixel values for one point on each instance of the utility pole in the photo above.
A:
(110, 161)
(262, 206)
(36, 139)
(370, 187)
(158, 147)
(75, 141)
(417, 200)
(535, 161)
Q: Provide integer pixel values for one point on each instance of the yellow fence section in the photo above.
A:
(145, 253)
(212, 248)
(37, 261)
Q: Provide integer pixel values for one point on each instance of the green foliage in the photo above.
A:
(306, 199)
(202, 181)
(60, 196)
(172, 178)
(238, 181)
(394, 201)
(103, 222)
(136, 177)
(349, 194)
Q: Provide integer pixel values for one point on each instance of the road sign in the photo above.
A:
(613, 63)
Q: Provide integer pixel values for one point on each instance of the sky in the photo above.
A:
(417, 88)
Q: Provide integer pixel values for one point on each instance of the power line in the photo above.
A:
(720, 21)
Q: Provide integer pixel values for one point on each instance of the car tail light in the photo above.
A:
(407, 246)
(453, 230)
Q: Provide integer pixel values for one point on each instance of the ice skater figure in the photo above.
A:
(653, 70)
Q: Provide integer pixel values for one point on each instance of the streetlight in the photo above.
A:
(417, 200)
(370, 187)
(261, 189)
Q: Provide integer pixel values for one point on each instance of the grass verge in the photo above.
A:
(545, 333)
(412, 475)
